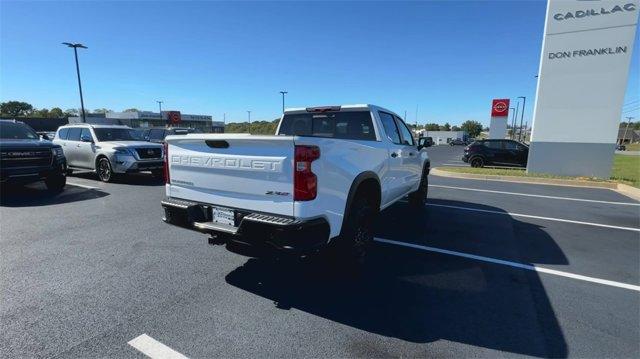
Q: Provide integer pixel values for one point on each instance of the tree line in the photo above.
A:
(25, 109)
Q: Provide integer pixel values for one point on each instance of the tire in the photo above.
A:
(158, 174)
(357, 235)
(477, 162)
(104, 170)
(419, 197)
(56, 183)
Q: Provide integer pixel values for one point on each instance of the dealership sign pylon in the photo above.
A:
(583, 75)
(499, 118)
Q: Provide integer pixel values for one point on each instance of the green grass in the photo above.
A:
(626, 169)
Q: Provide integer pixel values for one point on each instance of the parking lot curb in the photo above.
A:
(629, 191)
(624, 189)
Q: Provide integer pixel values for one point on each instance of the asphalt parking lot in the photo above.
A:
(486, 269)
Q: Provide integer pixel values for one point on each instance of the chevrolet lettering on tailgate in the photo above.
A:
(243, 163)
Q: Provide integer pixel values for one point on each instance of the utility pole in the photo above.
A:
(75, 52)
(283, 93)
(624, 137)
(524, 104)
(249, 114)
(416, 113)
(224, 118)
(405, 115)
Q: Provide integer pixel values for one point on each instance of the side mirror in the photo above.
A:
(44, 137)
(86, 138)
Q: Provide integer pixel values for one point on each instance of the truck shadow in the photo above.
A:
(36, 195)
(422, 297)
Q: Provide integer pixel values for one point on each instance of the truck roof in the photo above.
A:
(348, 107)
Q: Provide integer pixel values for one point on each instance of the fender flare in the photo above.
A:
(352, 192)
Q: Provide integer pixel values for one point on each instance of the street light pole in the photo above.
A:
(160, 106)
(515, 118)
(524, 104)
(511, 134)
(75, 52)
(249, 114)
(283, 93)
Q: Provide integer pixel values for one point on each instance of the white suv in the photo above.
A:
(108, 150)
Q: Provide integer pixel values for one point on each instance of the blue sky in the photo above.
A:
(448, 58)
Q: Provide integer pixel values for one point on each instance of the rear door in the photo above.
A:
(495, 152)
(237, 171)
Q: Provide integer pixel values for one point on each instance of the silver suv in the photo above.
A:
(108, 150)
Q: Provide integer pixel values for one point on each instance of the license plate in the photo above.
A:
(223, 216)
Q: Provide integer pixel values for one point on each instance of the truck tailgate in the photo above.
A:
(233, 170)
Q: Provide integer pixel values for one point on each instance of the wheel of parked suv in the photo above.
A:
(358, 231)
(105, 173)
(477, 162)
(56, 183)
(157, 174)
(419, 197)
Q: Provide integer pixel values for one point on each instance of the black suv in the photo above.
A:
(25, 158)
(496, 153)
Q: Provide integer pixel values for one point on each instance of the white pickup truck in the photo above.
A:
(321, 180)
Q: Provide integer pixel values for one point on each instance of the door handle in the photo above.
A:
(412, 154)
(394, 155)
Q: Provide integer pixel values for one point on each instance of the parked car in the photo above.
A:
(496, 153)
(425, 141)
(158, 134)
(320, 182)
(457, 142)
(108, 150)
(621, 148)
(26, 158)
(46, 135)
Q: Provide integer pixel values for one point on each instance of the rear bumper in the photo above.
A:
(252, 230)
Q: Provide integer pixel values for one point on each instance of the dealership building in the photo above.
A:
(147, 119)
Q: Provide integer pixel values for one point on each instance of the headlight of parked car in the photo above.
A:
(57, 151)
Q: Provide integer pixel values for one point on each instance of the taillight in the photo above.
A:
(165, 168)
(305, 182)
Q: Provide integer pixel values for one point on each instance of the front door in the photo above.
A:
(410, 159)
(85, 149)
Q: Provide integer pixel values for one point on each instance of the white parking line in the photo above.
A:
(536, 195)
(535, 217)
(512, 264)
(154, 349)
(81, 185)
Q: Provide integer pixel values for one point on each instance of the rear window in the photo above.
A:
(346, 125)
